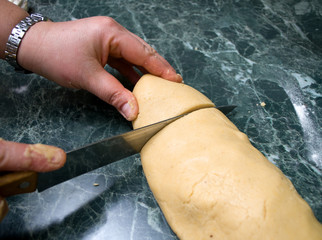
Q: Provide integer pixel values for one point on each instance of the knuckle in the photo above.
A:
(114, 98)
(106, 22)
(152, 57)
(150, 50)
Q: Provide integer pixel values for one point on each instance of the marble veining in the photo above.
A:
(263, 55)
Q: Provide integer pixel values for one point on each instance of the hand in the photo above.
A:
(28, 157)
(74, 53)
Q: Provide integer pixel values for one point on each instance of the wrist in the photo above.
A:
(16, 38)
(31, 52)
(9, 17)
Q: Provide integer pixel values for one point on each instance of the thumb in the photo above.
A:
(110, 90)
(3, 208)
(30, 157)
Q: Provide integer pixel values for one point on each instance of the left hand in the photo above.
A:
(73, 54)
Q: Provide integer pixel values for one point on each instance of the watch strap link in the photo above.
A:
(16, 36)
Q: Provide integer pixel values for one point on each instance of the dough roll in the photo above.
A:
(208, 179)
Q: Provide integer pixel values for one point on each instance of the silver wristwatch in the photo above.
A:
(17, 34)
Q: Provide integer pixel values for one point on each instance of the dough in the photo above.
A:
(159, 100)
(210, 182)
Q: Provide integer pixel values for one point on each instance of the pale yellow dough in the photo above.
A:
(210, 182)
(159, 100)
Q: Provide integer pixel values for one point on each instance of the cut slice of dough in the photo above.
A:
(211, 183)
(159, 100)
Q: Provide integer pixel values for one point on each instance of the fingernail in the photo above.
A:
(3, 208)
(127, 111)
(55, 156)
(179, 78)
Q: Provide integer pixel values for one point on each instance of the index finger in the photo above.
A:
(136, 51)
(35, 157)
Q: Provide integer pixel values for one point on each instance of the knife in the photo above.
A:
(86, 159)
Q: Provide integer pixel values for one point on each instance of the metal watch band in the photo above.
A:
(16, 36)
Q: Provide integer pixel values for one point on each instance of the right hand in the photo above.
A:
(28, 157)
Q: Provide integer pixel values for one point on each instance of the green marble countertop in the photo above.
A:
(235, 52)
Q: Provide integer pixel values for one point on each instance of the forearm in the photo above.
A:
(10, 16)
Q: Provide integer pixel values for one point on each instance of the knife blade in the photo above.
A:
(87, 158)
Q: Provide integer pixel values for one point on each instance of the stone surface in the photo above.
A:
(265, 56)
